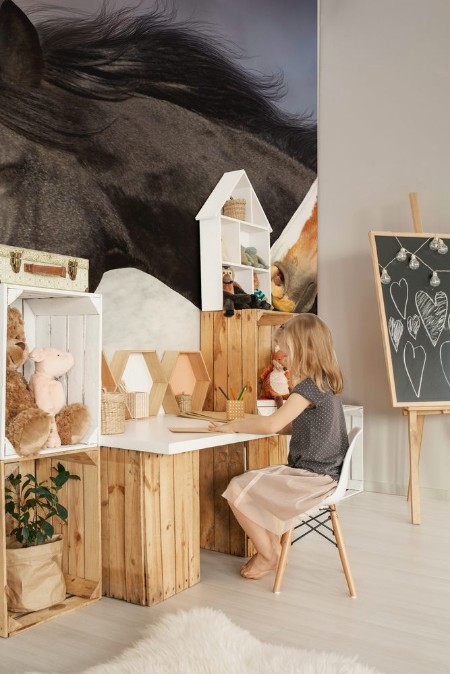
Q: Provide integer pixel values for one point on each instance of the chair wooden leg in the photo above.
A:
(342, 551)
(285, 545)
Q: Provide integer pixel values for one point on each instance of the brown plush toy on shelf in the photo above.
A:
(274, 379)
(235, 297)
(26, 426)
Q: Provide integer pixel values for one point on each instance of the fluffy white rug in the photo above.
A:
(205, 641)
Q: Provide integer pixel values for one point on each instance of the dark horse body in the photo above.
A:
(111, 140)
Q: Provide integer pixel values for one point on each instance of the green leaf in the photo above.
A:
(62, 511)
(48, 529)
(10, 507)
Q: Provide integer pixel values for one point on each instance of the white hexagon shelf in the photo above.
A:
(186, 373)
(141, 370)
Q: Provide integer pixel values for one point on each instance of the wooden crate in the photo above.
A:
(235, 351)
(219, 529)
(150, 524)
(81, 535)
(69, 321)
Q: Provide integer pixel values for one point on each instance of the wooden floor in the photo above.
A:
(399, 623)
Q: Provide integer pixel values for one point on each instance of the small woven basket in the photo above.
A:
(138, 404)
(235, 409)
(235, 208)
(184, 402)
(113, 413)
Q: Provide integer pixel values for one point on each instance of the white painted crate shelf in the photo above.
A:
(222, 237)
(65, 320)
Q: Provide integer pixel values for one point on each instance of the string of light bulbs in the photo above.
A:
(435, 244)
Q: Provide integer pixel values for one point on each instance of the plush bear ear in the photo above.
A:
(37, 355)
(21, 58)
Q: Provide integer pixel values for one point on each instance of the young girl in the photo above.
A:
(267, 501)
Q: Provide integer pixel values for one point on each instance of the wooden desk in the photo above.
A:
(151, 507)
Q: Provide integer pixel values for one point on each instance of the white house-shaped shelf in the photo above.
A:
(222, 240)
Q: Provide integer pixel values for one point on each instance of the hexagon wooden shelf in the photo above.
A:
(186, 373)
(159, 380)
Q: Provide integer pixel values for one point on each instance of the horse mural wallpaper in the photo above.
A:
(116, 126)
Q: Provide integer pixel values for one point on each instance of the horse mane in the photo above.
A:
(116, 55)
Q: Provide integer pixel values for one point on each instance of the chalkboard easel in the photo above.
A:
(415, 322)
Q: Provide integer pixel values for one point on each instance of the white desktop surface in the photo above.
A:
(152, 435)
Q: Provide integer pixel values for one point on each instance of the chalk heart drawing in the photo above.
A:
(414, 358)
(413, 324)
(395, 331)
(444, 354)
(399, 296)
(432, 313)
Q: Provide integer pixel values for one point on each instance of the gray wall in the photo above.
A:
(384, 115)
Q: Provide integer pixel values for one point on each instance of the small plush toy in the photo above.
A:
(264, 304)
(235, 297)
(26, 426)
(274, 378)
(255, 260)
(69, 422)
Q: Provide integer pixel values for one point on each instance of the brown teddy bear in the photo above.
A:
(26, 426)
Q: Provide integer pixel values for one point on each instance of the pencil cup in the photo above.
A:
(235, 409)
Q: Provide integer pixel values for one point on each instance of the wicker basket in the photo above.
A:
(138, 404)
(184, 402)
(113, 413)
(235, 208)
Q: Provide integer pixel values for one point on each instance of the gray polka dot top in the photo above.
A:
(319, 436)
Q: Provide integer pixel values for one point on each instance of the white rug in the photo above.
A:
(205, 641)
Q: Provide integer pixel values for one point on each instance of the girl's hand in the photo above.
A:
(221, 428)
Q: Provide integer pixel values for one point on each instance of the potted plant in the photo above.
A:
(34, 557)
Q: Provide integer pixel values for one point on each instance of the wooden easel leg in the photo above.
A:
(414, 449)
(420, 423)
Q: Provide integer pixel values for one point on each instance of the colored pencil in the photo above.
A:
(222, 391)
(233, 394)
(241, 394)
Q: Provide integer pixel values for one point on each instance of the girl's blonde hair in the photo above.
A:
(309, 346)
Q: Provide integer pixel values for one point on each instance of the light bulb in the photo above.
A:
(414, 262)
(401, 255)
(434, 244)
(435, 280)
(385, 278)
(442, 248)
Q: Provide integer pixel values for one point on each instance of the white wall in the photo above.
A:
(384, 131)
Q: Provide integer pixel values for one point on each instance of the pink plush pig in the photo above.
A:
(69, 422)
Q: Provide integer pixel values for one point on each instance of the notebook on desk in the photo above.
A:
(190, 429)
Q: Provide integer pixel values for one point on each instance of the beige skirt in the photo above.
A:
(274, 497)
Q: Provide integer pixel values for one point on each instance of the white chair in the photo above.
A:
(318, 518)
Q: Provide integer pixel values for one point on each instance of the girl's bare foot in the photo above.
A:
(260, 567)
(248, 563)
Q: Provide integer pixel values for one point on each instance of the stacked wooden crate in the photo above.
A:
(235, 351)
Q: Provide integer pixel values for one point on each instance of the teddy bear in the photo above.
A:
(69, 423)
(254, 259)
(26, 426)
(234, 296)
(275, 383)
